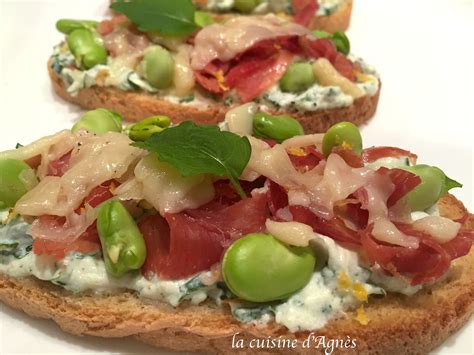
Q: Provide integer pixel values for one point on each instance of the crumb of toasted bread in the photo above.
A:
(135, 106)
(398, 324)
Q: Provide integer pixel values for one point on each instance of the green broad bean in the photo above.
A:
(278, 128)
(99, 121)
(144, 129)
(66, 26)
(341, 42)
(16, 179)
(246, 6)
(298, 77)
(321, 34)
(343, 134)
(122, 243)
(260, 268)
(86, 49)
(157, 67)
(434, 184)
(339, 39)
(448, 183)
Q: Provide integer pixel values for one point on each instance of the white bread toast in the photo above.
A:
(397, 324)
(135, 106)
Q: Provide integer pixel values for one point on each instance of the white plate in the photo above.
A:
(422, 49)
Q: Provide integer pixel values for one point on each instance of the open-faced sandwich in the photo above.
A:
(327, 15)
(206, 238)
(141, 65)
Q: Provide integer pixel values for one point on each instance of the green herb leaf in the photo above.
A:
(198, 149)
(203, 19)
(168, 17)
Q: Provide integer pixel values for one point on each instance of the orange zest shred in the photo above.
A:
(112, 188)
(359, 292)
(361, 316)
(345, 284)
(221, 80)
(299, 152)
(361, 77)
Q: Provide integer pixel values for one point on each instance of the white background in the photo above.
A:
(423, 50)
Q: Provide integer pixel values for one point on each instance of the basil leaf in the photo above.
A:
(168, 17)
(202, 149)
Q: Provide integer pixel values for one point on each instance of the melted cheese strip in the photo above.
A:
(292, 233)
(183, 75)
(225, 41)
(169, 192)
(385, 231)
(49, 148)
(327, 75)
(441, 229)
(304, 141)
(240, 119)
(94, 160)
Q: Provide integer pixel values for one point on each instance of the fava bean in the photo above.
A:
(157, 67)
(341, 42)
(16, 178)
(260, 268)
(298, 77)
(246, 6)
(99, 121)
(66, 26)
(339, 38)
(434, 184)
(278, 128)
(342, 134)
(86, 49)
(144, 129)
(122, 243)
(321, 34)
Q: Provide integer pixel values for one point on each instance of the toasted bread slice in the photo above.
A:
(337, 21)
(135, 106)
(397, 324)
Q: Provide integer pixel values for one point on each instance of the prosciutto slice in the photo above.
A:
(304, 10)
(426, 263)
(182, 244)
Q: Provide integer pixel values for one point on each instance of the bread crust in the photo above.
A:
(398, 324)
(135, 106)
(337, 21)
